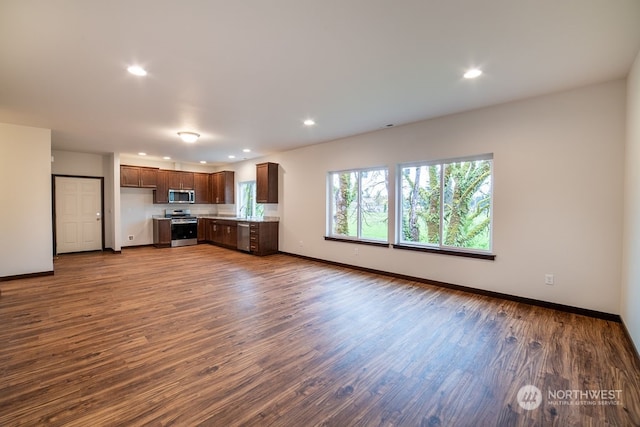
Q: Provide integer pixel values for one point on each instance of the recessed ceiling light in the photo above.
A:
(309, 122)
(231, 156)
(203, 161)
(246, 150)
(137, 70)
(142, 154)
(167, 158)
(472, 73)
(189, 137)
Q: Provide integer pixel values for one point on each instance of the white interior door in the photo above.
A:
(78, 214)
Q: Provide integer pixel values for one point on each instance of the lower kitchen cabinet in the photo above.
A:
(213, 231)
(230, 234)
(263, 238)
(222, 232)
(202, 230)
(161, 232)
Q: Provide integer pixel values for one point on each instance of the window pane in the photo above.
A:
(467, 204)
(247, 199)
(374, 204)
(421, 204)
(344, 200)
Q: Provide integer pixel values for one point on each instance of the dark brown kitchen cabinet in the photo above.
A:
(267, 183)
(209, 231)
(161, 232)
(222, 187)
(213, 233)
(202, 229)
(263, 237)
(201, 186)
(222, 233)
(230, 234)
(138, 176)
(179, 180)
(161, 193)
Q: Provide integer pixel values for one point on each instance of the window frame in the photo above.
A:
(330, 235)
(441, 247)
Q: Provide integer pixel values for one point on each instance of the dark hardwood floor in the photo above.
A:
(206, 336)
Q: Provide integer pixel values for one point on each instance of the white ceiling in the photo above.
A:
(245, 74)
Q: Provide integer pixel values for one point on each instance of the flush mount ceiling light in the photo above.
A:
(189, 137)
(472, 73)
(309, 122)
(137, 70)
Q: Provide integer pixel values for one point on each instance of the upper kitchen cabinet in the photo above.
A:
(201, 186)
(222, 187)
(267, 183)
(138, 176)
(179, 180)
(161, 193)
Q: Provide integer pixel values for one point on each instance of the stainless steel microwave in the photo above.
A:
(182, 196)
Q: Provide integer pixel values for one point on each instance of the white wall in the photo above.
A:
(630, 301)
(557, 195)
(25, 213)
(77, 164)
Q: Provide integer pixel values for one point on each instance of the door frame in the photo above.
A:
(53, 205)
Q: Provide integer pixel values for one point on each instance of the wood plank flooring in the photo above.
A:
(206, 336)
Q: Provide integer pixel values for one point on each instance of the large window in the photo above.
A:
(247, 206)
(359, 204)
(447, 204)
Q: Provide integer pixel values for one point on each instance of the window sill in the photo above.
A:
(358, 242)
(477, 255)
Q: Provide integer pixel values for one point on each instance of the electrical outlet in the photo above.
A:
(549, 279)
(356, 251)
(301, 243)
(130, 236)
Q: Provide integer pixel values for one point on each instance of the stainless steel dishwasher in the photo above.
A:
(244, 238)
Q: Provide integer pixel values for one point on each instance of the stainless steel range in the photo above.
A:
(184, 227)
